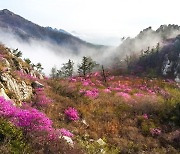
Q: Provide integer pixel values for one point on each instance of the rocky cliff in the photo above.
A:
(16, 77)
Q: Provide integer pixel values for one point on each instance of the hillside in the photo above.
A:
(27, 30)
(125, 114)
(148, 38)
(150, 53)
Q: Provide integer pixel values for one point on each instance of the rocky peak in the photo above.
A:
(6, 12)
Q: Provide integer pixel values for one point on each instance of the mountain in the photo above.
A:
(58, 30)
(27, 30)
(148, 38)
(153, 52)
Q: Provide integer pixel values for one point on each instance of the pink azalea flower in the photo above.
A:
(72, 114)
(145, 116)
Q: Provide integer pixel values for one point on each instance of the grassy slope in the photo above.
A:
(123, 116)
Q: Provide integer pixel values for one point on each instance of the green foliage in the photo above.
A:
(170, 114)
(12, 137)
(17, 53)
(146, 125)
(149, 60)
(27, 60)
(123, 110)
(67, 69)
(86, 66)
(54, 73)
(39, 67)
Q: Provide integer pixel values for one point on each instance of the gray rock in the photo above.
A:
(5, 62)
(37, 84)
(3, 94)
(20, 89)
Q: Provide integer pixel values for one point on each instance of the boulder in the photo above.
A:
(101, 142)
(68, 140)
(37, 84)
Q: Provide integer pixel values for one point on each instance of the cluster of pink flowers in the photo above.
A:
(88, 82)
(26, 76)
(107, 90)
(121, 87)
(111, 78)
(40, 98)
(28, 118)
(126, 96)
(93, 93)
(72, 114)
(65, 132)
(155, 131)
(73, 80)
(145, 116)
(1, 56)
(139, 95)
(96, 74)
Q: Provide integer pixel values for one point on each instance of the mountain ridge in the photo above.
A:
(26, 30)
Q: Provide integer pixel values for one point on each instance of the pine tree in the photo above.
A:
(68, 68)
(86, 66)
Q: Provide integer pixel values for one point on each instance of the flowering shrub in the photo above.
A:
(72, 114)
(125, 96)
(29, 119)
(94, 93)
(41, 99)
(155, 131)
(145, 116)
(65, 132)
(25, 76)
(107, 90)
(1, 56)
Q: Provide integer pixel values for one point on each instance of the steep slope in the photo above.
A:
(152, 52)
(160, 61)
(24, 125)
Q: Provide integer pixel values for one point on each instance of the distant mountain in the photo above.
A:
(153, 52)
(148, 38)
(26, 30)
(58, 30)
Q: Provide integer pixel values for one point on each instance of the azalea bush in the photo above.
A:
(40, 98)
(27, 118)
(65, 132)
(25, 76)
(72, 114)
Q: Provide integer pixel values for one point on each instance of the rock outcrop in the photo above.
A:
(20, 89)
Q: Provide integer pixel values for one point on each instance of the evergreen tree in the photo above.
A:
(17, 53)
(86, 66)
(39, 67)
(27, 60)
(67, 69)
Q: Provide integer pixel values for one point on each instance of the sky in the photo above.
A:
(98, 21)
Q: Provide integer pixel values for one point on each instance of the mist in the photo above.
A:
(50, 54)
(148, 38)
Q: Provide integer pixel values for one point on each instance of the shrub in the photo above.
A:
(72, 114)
(12, 137)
